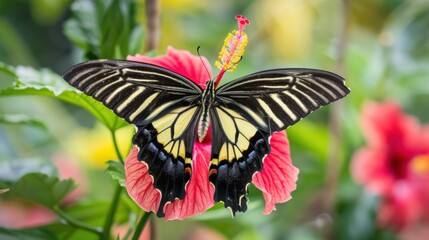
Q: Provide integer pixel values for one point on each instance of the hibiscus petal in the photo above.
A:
(370, 168)
(199, 192)
(398, 132)
(402, 207)
(278, 177)
(139, 183)
(181, 62)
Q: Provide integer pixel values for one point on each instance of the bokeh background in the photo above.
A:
(381, 47)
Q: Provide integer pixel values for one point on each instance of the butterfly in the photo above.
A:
(171, 112)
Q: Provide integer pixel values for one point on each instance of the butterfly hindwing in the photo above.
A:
(166, 145)
(163, 107)
(238, 149)
(248, 110)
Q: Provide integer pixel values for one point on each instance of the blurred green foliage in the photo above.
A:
(387, 57)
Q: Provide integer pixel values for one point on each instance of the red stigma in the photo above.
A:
(242, 20)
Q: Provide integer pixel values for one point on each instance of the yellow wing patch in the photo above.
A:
(171, 127)
(238, 132)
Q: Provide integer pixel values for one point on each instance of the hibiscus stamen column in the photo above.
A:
(233, 48)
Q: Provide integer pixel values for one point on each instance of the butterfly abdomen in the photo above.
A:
(203, 125)
(207, 99)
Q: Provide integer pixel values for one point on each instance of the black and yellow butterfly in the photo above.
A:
(170, 112)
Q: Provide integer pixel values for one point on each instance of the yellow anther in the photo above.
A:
(233, 48)
(420, 164)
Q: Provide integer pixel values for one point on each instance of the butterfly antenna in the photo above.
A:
(235, 64)
(205, 67)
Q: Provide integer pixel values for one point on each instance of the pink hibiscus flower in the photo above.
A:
(276, 180)
(394, 164)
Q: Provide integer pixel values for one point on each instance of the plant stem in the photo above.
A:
(115, 144)
(76, 223)
(116, 197)
(334, 161)
(152, 25)
(132, 222)
(334, 158)
(140, 225)
(111, 215)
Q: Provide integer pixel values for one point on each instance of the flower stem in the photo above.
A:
(76, 223)
(111, 215)
(132, 222)
(140, 225)
(115, 144)
(115, 199)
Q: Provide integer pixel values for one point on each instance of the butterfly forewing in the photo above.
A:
(248, 110)
(275, 99)
(161, 104)
(135, 91)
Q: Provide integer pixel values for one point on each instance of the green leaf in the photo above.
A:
(82, 28)
(27, 234)
(136, 41)
(21, 119)
(43, 189)
(5, 185)
(47, 83)
(116, 171)
(64, 231)
(7, 69)
(112, 27)
(40, 79)
(104, 29)
(13, 47)
(94, 212)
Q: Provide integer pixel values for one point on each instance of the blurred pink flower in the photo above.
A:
(415, 232)
(69, 168)
(277, 179)
(17, 213)
(394, 164)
